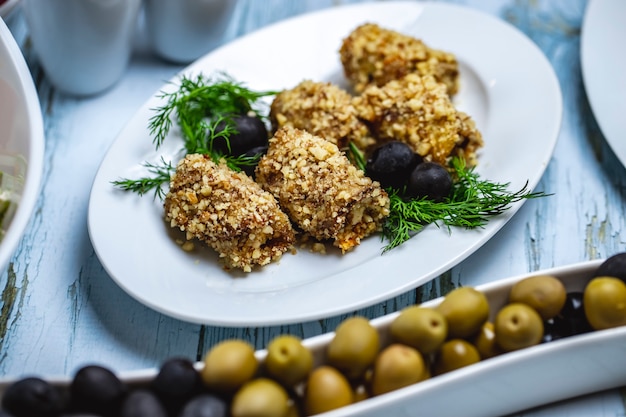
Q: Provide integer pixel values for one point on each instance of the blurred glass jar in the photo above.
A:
(84, 46)
(181, 31)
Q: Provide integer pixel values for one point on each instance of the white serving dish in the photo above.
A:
(21, 139)
(506, 384)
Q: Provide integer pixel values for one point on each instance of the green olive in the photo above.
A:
(228, 365)
(423, 328)
(455, 354)
(518, 326)
(604, 302)
(260, 397)
(354, 347)
(326, 389)
(288, 361)
(485, 341)
(465, 310)
(545, 293)
(397, 366)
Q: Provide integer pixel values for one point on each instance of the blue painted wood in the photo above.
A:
(60, 310)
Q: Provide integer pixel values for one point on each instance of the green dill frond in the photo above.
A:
(198, 106)
(356, 156)
(199, 99)
(160, 175)
(470, 205)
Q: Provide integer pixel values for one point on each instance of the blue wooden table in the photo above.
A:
(60, 310)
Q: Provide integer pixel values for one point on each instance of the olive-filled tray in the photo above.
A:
(507, 383)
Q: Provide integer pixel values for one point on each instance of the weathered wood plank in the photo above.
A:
(59, 309)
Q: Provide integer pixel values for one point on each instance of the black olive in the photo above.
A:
(570, 321)
(573, 307)
(554, 329)
(614, 266)
(205, 405)
(142, 403)
(391, 163)
(96, 390)
(75, 415)
(251, 133)
(574, 313)
(429, 180)
(32, 397)
(176, 383)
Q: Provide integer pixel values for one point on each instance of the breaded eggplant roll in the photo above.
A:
(321, 191)
(322, 109)
(416, 110)
(228, 211)
(374, 55)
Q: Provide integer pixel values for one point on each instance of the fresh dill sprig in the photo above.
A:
(470, 205)
(200, 99)
(356, 156)
(161, 174)
(203, 108)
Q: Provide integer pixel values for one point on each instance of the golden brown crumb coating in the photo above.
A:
(374, 55)
(323, 109)
(228, 211)
(321, 191)
(416, 110)
(473, 140)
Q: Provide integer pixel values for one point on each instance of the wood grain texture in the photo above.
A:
(60, 310)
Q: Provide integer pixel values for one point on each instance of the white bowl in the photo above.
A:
(21, 143)
(505, 384)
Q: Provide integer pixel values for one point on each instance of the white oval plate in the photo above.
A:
(508, 87)
(603, 65)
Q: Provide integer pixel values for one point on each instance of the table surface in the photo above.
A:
(60, 309)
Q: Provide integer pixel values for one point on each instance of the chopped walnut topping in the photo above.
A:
(416, 110)
(322, 109)
(372, 55)
(228, 211)
(321, 191)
